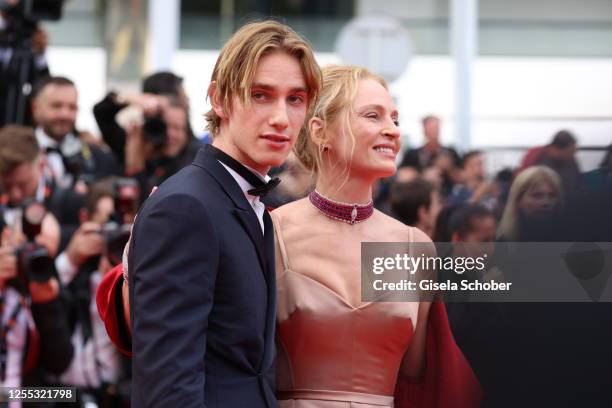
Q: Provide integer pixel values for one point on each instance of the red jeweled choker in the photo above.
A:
(349, 213)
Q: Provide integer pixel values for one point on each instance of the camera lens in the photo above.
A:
(33, 215)
(154, 129)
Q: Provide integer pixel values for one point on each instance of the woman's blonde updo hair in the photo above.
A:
(334, 104)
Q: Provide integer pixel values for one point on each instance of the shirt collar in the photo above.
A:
(245, 185)
(44, 140)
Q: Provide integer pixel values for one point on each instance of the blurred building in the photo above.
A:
(542, 65)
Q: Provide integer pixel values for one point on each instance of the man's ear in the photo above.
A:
(213, 97)
(455, 237)
(316, 130)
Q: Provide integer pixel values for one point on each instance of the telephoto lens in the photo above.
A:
(32, 217)
(35, 262)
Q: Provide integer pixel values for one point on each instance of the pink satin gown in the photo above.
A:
(331, 354)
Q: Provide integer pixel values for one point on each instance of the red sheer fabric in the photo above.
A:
(448, 380)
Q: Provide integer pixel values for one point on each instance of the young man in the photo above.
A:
(201, 263)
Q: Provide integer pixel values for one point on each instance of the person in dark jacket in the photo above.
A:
(154, 88)
(69, 157)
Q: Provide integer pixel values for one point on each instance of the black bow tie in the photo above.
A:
(260, 187)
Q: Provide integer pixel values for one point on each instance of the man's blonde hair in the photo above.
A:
(238, 60)
(334, 105)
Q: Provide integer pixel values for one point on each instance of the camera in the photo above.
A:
(71, 155)
(154, 129)
(153, 125)
(75, 159)
(34, 263)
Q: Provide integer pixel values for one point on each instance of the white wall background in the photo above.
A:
(87, 68)
(534, 10)
(517, 101)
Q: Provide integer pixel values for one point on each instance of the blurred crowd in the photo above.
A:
(67, 202)
(68, 199)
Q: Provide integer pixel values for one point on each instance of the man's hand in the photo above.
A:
(136, 150)
(42, 292)
(148, 102)
(85, 243)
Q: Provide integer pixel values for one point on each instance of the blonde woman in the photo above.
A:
(335, 350)
(535, 195)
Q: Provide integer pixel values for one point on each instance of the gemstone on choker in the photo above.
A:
(349, 213)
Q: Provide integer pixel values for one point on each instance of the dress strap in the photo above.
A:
(411, 241)
(278, 231)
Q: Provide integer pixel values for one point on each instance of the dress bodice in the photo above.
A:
(324, 342)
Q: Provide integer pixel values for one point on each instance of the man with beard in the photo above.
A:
(69, 158)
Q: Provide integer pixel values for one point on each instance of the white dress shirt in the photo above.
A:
(54, 159)
(257, 205)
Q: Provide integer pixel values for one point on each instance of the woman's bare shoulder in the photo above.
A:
(393, 229)
(291, 211)
(397, 230)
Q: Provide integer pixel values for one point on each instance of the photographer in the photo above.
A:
(33, 334)
(157, 89)
(69, 157)
(24, 177)
(159, 146)
(97, 245)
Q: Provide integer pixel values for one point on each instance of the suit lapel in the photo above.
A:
(268, 359)
(243, 211)
(250, 223)
(264, 243)
(269, 244)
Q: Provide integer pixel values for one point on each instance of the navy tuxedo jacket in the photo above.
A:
(203, 295)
